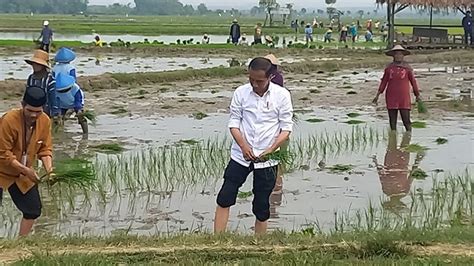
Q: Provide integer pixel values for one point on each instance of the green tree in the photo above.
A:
(188, 10)
(158, 7)
(202, 9)
(303, 11)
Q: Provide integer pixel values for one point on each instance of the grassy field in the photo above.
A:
(165, 25)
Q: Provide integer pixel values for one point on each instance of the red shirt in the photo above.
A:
(396, 81)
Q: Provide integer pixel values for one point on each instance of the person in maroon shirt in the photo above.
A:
(396, 82)
(277, 76)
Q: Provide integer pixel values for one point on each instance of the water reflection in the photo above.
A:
(394, 174)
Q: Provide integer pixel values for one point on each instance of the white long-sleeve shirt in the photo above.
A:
(260, 120)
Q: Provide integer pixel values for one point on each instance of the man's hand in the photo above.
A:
(248, 153)
(418, 98)
(266, 153)
(375, 100)
(31, 175)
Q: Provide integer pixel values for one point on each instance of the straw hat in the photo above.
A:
(398, 48)
(273, 59)
(235, 21)
(40, 57)
(269, 38)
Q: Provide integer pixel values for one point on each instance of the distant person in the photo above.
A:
(308, 33)
(253, 142)
(344, 34)
(244, 41)
(69, 96)
(235, 32)
(98, 42)
(25, 138)
(257, 36)
(269, 41)
(397, 81)
(46, 37)
(296, 26)
(369, 37)
(205, 39)
(63, 60)
(370, 26)
(468, 27)
(354, 32)
(328, 36)
(377, 25)
(42, 78)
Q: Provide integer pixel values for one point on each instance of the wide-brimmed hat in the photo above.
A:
(65, 55)
(397, 48)
(40, 57)
(64, 81)
(269, 38)
(235, 21)
(45, 23)
(273, 59)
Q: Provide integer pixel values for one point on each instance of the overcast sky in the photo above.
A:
(249, 3)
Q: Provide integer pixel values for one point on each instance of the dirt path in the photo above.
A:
(8, 256)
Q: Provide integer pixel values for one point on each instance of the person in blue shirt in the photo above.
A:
(354, 32)
(467, 25)
(69, 96)
(63, 59)
(309, 33)
(46, 37)
(369, 37)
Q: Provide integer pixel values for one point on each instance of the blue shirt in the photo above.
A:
(47, 34)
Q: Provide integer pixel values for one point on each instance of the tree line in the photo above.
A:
(43, 6)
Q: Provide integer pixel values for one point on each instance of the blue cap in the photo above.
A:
(65, 55)
(64, 81)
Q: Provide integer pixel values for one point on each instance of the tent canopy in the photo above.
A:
(431, 3)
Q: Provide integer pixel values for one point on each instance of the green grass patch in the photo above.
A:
(441, 141)
(315, 120)
(109, 147)
(418, 124)
(200, 115)
(353, 115)
(420, 105)
(354, 122)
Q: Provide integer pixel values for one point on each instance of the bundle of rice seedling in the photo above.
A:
(421, 107)
(91, 116)
(74, 172)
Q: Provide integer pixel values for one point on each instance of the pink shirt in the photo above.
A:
(396, 83)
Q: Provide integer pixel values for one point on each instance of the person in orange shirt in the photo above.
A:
(25, 137)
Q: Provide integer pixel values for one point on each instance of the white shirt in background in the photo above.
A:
(260, 120)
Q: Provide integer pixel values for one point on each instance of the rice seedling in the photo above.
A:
(315, 120)
(341, 168)
(119, 111)
(442, 96)
(142, 92)
(421, 106)
(354, 122)
(415, 148)
(441, 141)
(314, 91)
(73, 172)
(244, 194)
(353, 115)
(418, 174)
(200, 115)
(418, 124)
(188, 141)
(91, 116)
(108, 147)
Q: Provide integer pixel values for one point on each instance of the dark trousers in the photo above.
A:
(45, 47)
(393, 116)
(468, 36)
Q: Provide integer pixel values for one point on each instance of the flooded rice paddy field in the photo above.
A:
(343, 158)
(167, 179)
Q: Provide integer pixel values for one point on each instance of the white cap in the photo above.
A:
(45, 23)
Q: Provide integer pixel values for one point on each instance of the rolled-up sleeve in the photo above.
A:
(285, 115)
(235, 110)
(7, 143)
(46, 148)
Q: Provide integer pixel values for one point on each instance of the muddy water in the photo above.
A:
(15, 66)
(310, 194)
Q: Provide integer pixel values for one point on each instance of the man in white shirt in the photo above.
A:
(261, 115)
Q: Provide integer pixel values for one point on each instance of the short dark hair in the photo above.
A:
(34, 96)
(261, 63)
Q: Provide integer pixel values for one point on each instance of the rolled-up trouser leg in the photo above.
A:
(29, 204)
(263, 184)
(234, 176)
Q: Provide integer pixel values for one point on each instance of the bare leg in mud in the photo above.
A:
(221, 218)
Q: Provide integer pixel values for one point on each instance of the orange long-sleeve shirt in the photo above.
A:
(12, 142)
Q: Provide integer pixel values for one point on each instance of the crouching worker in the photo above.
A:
(25, 137)
(260, 122)
(69, 96)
